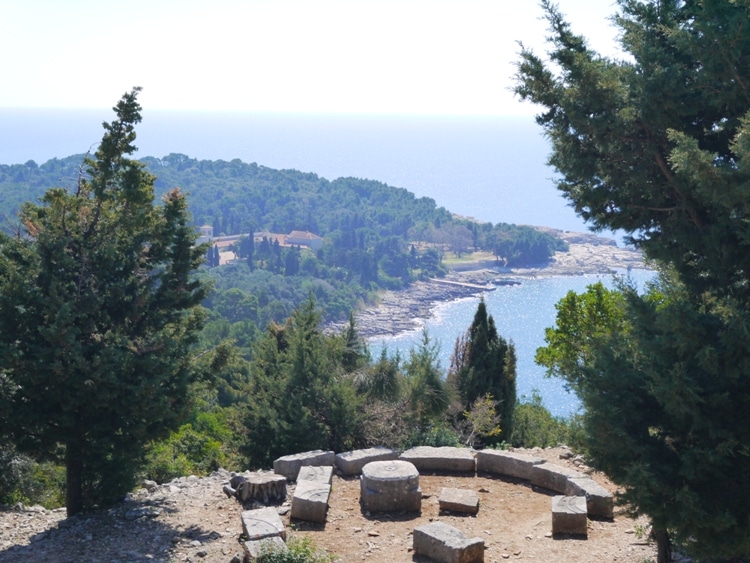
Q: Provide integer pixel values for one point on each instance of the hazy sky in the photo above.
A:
(364, 56)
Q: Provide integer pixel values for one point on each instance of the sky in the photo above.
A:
(433, 57)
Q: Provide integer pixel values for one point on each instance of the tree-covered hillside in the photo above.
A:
(374, 235)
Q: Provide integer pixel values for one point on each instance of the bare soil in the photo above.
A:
(190, 519)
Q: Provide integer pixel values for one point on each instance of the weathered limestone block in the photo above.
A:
(262, 486)
(599, 501)
(289, 465)
(459, 500)
(569, 515)
(445, 544)
(254, 549)
(262, 523)
(310, 501)
(510, 464)
(553, 477)
(390, 486)
(317, 473)
(351, 463)
(446, 458)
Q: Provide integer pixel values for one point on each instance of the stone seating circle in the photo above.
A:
(392, 485)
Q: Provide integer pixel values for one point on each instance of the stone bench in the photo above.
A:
(445, 544)
(262, 523)
(289, 465)
(599, 501)
(510, 464)
(446, 458)
(459, 500)
(390, 486)
(310, 501)
(553, 477)
(351, 463)
(569, 515)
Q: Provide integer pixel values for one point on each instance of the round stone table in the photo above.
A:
(390, 486)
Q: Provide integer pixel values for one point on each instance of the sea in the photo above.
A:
(492, 169)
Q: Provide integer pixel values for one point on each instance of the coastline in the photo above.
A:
(400, 311)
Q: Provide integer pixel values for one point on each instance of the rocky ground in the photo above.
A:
(401, 311)
(190, 519)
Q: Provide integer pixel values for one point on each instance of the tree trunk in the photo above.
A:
(73, 478)
(663, 545)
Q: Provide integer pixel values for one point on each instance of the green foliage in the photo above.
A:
(536, 427)
(300, 549)
(429, 396)
(435, 436)
(31, 483)
(302, 397)
(482, 421)
(656, 144)
(196, 448)
(98, 314)
(484, 363)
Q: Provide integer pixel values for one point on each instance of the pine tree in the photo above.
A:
(98, 312)
(485, 363)
(657, 144)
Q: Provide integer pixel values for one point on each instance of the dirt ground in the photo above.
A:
(190, 519)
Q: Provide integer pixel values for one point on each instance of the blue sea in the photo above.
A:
(490, 168)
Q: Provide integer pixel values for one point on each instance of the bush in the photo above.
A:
(436, 436)
(26, 481)
(301, 549)
(534, 426)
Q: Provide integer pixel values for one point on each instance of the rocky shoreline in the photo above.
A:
(405, 310)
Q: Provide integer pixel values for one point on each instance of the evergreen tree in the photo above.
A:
(657, 144)
(301, 400)
(484, 363)
(98, 312)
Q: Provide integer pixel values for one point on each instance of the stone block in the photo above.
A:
(310, 501)
(262, 523)
(254, 549)
(599, 501)
(446, 458)
(289, 465)
(351, 463)
(390, 486)
(261, 486)
(317, 473)
(459, 500)
(445, 544)
(569, 515)
(553, 477)
(509, 464)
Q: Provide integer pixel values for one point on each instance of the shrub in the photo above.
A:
(534, 426)
(301, 549)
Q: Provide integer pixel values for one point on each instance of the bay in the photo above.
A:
(521, 313)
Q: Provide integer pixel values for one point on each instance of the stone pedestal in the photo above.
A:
(390, 486)
(569, 515)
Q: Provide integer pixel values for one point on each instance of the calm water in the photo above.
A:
(521, 314)
(492, 169)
